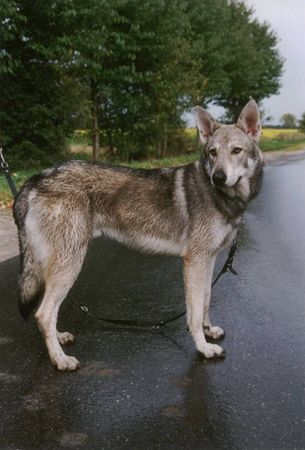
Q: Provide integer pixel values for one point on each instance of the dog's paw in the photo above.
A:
(212, 351)
(67, 363)
(214, 332)
(65, 338)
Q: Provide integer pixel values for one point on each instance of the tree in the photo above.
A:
(39, 102)
(302, 123)
(288, 120)
(130, 56)
(239, 56)
(126, 54)
(127, 68)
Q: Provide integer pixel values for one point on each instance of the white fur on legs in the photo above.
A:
(47, 325)
(209, 330)
(56, 291)
(65, 337)
(64, 230)
(196, 275)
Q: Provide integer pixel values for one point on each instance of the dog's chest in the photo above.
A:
(223, 234)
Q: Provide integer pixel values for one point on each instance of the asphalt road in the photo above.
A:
(149, 389)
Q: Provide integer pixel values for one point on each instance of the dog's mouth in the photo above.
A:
(224, 186)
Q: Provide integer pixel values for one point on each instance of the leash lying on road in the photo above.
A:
(227, 267)
(126, 323)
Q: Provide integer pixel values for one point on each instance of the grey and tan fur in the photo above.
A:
(191, 211)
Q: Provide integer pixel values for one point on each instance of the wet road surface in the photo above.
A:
(150, 389)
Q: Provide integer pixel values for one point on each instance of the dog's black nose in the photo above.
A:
(219, 177)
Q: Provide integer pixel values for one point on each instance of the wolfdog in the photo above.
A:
(192, 211)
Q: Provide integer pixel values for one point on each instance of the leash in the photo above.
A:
(125, 323)
(228, 265)
(6, 172)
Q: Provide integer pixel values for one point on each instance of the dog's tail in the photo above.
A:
(31, 284)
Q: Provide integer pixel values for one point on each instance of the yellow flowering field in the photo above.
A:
(267, 133)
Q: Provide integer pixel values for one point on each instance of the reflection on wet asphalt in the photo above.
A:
(150, 389)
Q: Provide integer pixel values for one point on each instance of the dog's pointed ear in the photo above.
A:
(249, 120)
(206, 124)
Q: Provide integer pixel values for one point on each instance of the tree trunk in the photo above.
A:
(110, 144)
(95, 134)
(164, 142)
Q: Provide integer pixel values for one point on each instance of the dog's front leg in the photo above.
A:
(209, 330)
(197, 274)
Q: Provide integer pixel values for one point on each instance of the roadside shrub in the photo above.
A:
(27, 155)
(182, 142)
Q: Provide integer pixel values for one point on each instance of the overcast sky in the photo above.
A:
(287, 19)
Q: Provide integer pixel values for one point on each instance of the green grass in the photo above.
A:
(164, 162)
(268, 145)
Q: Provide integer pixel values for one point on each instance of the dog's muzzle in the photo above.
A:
(219, 178)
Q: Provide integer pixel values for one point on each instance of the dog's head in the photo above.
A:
(231, 154)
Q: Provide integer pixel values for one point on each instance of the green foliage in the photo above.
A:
(288, 120)
(239, 55)
(39, 102)
(126, 70)
(293, 143)
(126, 54)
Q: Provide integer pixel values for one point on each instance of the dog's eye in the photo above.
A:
(213, 152)
(236, 150)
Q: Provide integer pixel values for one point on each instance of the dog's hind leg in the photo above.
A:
(58, 285)
(65, 237)
(196, 276)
